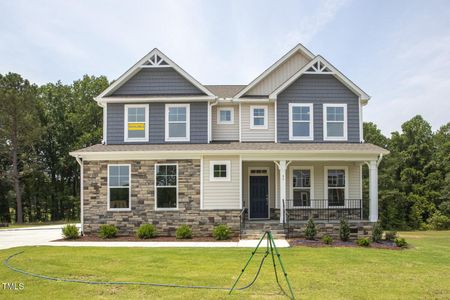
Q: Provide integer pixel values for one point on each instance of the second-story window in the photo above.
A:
(225, 115)
(300, 121)
(258, 117)
(136, 123)
(177, 122)
(335, 122)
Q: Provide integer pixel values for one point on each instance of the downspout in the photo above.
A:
(80, 162)
(210, 119)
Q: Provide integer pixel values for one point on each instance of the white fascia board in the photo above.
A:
(297, 48)
(335, 72)
(136, 67)
(270, 155)
(156, 99)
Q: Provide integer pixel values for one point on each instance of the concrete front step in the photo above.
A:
(258, 233)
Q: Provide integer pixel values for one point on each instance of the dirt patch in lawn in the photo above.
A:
(129, 238)
(316, 243)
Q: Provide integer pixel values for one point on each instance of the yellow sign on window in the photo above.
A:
(136, 126)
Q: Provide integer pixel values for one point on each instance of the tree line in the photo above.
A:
(39, 181)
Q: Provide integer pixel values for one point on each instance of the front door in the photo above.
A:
(259, 202)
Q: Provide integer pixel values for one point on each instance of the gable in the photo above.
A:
(157, 82)
(279, 75)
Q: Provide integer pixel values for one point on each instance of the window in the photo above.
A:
(258, 117)
(300, 121)
(225, 115)
(136, 123)
(177, 122)
(302, 186)
(220, 171)
(166, 186)
(336, 185)
(335, 122)
(119, 187)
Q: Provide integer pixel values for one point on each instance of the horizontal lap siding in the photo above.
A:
(257, 135)
(225, 132)
(354, 178)
(317, 89)
(157, 81)
(221, 194)
(198, 126)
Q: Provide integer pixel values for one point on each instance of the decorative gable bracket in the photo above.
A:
(155, 61)
(318, 68)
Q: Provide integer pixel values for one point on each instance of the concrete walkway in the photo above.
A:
(44, 235)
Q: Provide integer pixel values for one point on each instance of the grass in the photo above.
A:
(422, 272)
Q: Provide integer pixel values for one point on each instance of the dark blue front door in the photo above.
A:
(259, 204)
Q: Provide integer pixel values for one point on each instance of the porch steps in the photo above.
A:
(254, 230)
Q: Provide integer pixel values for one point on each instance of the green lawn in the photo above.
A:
(422, 272)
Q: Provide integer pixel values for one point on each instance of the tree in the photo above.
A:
(19, 126)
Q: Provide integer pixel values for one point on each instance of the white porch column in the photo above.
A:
(282, 168)
(373, 191)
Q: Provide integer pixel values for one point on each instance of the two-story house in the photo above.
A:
(287, 147)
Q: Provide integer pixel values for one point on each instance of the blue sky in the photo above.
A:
(397, 51)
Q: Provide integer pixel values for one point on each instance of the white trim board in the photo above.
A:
(311, 188)
(129, 188)
(266, 117)
(187, 138)
(267, 169)
(227, 163)
(311, 122)
(332, 71)
(156, 191)
(325, 121)
(137, 66)
(125, 129)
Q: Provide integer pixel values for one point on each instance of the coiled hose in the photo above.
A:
(40, 276)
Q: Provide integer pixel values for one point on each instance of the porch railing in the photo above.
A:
(323, 209)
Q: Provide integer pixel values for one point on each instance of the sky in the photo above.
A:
(397, 51)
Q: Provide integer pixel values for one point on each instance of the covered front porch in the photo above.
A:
(296, 190)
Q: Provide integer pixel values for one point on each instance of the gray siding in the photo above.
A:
(317, 89)
(157, 81)
(198, 126)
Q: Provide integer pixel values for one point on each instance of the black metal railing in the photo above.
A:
(242, 221)
(323, 209)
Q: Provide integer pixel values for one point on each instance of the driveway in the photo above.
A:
(30, 236)
(44, 235)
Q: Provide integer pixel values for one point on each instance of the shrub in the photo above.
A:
(184, 232)
(390, 235)
(363, 242)
(377, 232)
(439, 221)
(70, 232)
(221, 232)
(400, 242)
(146, 231)
(344, 230)
(107, 231)
(310, 231)
(327, 239)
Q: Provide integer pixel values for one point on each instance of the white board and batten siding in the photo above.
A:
(257, 135)
(221, 194)
(278, 76)
(225, 132)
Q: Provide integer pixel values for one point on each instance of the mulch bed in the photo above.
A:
(129, 238)
(317, 243)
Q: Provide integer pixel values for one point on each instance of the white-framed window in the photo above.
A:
(136, 122)
(225, 115)
(119, 187)
(166, 186)
(336, 185)
(220, 170)
(302, 183)
(301, 122)
(178, 122)
(335, 122)
(258, 117)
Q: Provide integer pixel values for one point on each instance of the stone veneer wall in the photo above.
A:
(143, 201)
(358, 229)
